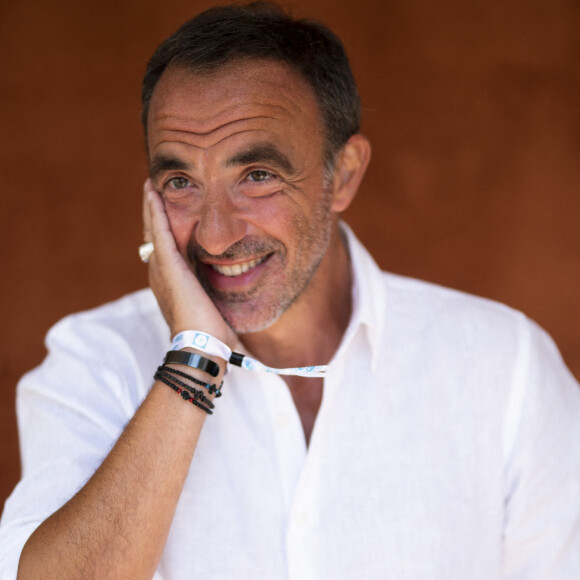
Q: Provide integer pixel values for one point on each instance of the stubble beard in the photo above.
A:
(260, 307)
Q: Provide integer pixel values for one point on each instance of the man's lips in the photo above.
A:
(232, 270)
(236, 278)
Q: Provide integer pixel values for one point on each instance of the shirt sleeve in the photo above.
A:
(70, 412)
(542, 466)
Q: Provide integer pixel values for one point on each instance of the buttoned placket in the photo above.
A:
(299, 469)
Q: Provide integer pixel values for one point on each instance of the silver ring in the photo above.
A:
(145, 251)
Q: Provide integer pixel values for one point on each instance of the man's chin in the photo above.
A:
(244, 326)
(246, 318)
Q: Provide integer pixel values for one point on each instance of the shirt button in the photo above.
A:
(301, 519)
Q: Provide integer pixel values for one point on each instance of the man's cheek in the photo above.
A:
(182, 224)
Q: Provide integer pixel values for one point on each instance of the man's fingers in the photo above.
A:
(159, 228)
(156, 228)
(147, 236)
(183, 301)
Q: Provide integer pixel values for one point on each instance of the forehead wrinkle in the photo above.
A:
(183, 117)
(198, 141)
(181, 121)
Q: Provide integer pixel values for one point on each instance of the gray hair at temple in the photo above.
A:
(262, 30)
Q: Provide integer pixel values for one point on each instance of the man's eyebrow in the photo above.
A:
(161, 163)
(262, 154)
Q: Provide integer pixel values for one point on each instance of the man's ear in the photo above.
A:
(350, 167)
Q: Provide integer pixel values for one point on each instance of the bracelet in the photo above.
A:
(193, 360)
(196, 393)
(211, 388)
(184, 394)
(215, 347)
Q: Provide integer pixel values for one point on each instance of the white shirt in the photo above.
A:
(447, 445)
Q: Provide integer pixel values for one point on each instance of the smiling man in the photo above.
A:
(238, 156)
(400, 430)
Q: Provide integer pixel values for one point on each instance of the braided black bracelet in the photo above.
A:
(184, 394)
(211, 388)
(196, 393)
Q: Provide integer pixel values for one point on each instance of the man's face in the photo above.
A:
(238, 158)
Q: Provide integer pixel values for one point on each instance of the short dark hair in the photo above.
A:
(262, 30)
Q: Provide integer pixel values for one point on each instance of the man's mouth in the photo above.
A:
(237, 269)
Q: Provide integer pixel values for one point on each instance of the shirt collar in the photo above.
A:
(368, 295)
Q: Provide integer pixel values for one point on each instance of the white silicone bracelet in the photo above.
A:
(202, 341)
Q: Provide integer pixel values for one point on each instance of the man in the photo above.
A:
(440, 442)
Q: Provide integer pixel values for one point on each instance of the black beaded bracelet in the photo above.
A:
(184, 394)
(198, 395)
(193, 360)
(211, 387)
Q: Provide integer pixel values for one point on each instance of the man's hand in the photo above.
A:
(183, 302)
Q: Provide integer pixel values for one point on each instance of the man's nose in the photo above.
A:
(219, 225)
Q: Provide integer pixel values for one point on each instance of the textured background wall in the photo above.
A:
(473, 110)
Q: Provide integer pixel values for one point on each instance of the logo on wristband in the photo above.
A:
(200, 340)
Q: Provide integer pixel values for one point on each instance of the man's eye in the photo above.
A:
(259, 175)
(178, 183)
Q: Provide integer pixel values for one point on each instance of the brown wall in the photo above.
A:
(473, 109)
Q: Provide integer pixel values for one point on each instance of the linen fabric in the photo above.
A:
(447, 445)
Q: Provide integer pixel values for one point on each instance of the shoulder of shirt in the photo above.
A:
(383, 294)
(442, 296)
(455, 313)
(425, 314)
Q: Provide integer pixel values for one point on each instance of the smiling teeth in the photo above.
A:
(237, 269)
